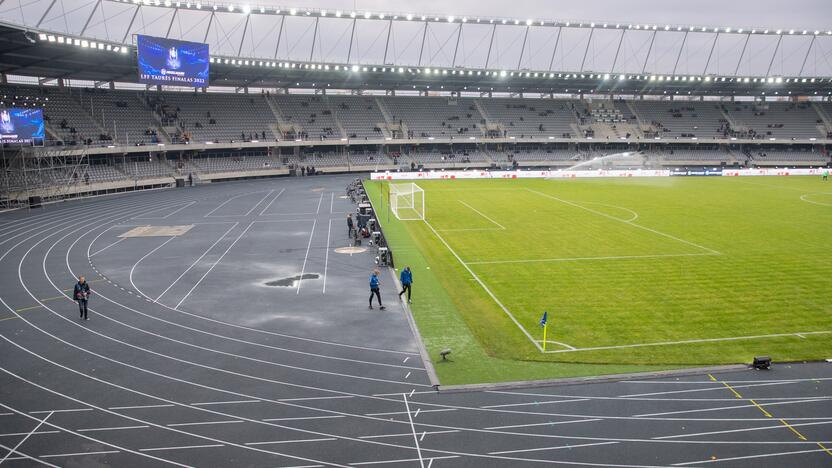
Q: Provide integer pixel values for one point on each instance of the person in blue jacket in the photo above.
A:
(374, 289)
(406, 278)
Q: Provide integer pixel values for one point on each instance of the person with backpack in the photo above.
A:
(374, 289)
(81, 293)
(406, 278)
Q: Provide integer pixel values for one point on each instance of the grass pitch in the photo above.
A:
(637, 274)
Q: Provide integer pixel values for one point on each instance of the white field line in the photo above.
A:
(195, 262)
(214, 264)
(14, 450)
(703, 340)
(306, 257)
(259, 202)
(722, 408)
(167, 215)
(24, 456)
(578, 259)
(748, 429)
(105, 248)
(208, 215)
(483, 215)
(273, 200)
(484, 287)
(765, 455)
(326, 258)
(669, 236)
(469, 229)
(331, 202)
(413, 428)
(318, 210)
(814, 202)
(539, 449)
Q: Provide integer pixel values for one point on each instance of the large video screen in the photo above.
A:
(21, 125)
(170, 62)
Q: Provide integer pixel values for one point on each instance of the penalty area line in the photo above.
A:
(703, 340)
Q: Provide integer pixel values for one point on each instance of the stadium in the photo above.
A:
(597, 242)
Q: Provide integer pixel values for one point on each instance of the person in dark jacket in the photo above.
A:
(81, 294)
(374, 289)
(406, 278)
(350, 225)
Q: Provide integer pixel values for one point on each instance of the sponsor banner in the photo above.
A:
(543, 174)
(766, 171)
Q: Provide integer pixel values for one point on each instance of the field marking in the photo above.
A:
(326, 259)
(814, 202)
(669, 236)
(483, 215)
(234, 225)
(413, 428)
(484, 287)
(578, 259)
(117, 428)
(308, 246)
(633, 218)
(169, 214)
(703, 340)
(214, 264)
(273, 200)
(539, 449)
(208, 215)
(765, 455)
(105, 248)
(32, 432)
(24, 456)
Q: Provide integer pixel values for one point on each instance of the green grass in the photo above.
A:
(617, 262)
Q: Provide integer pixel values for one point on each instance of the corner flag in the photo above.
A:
(544, 322)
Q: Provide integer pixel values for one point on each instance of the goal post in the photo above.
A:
(407, 201)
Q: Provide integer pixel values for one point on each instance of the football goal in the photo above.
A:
(407, 201)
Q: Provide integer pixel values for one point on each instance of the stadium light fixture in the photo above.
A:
(246, 9)
(450, 19)
(338, 14)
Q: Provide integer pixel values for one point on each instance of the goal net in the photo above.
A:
(407, 201)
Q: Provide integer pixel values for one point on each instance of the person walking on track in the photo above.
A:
(374, 289)
(350, 225)
(406, 278)
(82, 295)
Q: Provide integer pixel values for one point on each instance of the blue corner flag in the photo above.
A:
(544, 319)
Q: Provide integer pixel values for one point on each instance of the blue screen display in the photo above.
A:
(21, 125)
(170, 62)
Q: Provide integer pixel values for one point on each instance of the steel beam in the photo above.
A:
(617, 50)
(807, 55)
(557, 41)
(208, 29)
(711, 53)
(774, 55)
(243, 38)
(458, 36)
(422, 48)
(352, 34)
(523, 48)
(130, 26)
(681, 49)
(742, 54)
(387, 42)
(490, 45)
(586, 51)
(172, 19)
(279, 35)
(649, 49)
(89, 18)
(314, 37)
(48, 9)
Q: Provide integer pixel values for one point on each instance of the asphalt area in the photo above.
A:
(226, 330)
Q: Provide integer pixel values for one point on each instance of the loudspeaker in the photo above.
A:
(761, 362)
(35, 201)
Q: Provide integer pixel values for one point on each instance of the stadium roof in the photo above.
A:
(270, 46)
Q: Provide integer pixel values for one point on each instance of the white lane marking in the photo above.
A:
(133, 268)
(214, 264)
(513, 426)
(331, 202)
(75, 410)
(407, 434)
(234, 225)
(326, 258)
(405, 359)
(258, 203)
(318, 210)
(306, 257)
(323, 439)
(304, 418)
(401, 460)
(579, 259)
(416, 414)
(487, 290)
(17, 434)
(105, 248)
(208, 215)
(234, 402)
(535, 403)
(204, 423)
(167, 215)
(721, 408)
(540, 449)
(669, 236)
(183, 447)
(117, 428)
(747, 457)
(749, 429)
(80, 454)
(139, 407)
(273, 200)
(701, 340)
(406, 376)
(483, 215)
(394, 413)
(334, 397)
(413, 429)
(24, 456)
(714, 387)
(14, 450)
